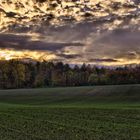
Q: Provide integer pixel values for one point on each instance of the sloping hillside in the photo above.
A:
(75, 95)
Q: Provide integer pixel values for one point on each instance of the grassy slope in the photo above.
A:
(73, 96)
(81, 113)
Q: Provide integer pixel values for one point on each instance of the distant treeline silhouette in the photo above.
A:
(19, 74)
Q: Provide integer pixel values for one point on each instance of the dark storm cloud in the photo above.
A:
(68, 33)
(105, 47)
(103, 60)
(19, 42)
(69, 56)
(117, 44)
(122, 38)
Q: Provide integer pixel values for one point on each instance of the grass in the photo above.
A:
(78, 113)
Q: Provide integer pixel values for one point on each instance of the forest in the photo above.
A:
(20, 74)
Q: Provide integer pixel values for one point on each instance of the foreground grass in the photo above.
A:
(82, 113)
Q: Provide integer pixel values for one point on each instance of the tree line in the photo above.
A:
(19, 74)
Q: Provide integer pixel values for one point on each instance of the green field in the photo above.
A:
(78, 113)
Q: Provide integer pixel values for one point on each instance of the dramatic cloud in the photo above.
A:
(18, 42)
(103, 60)
(98, 32)
(109, 47)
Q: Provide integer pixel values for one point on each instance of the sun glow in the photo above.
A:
(6, 54)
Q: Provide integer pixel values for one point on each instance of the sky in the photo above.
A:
(95, 31)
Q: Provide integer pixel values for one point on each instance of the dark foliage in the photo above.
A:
(18, 74)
